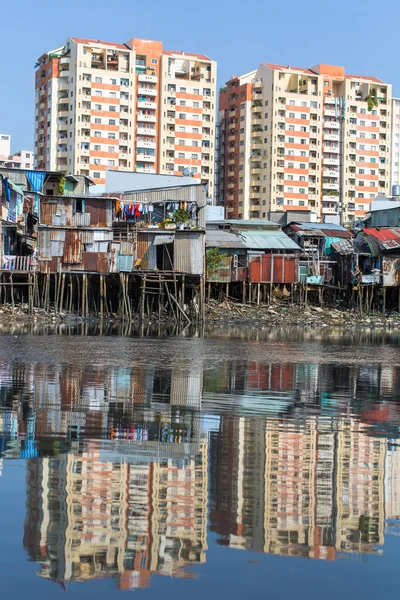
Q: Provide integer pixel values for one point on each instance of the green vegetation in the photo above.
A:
(181, 216)
(372, 101)
(214, 260)
(61, 186)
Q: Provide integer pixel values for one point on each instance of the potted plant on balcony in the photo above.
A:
(181, 217)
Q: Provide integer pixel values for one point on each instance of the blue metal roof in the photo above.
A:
(267, 240)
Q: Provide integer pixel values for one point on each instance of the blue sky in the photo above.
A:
(237, 34)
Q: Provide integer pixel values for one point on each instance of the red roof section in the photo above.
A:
(113, 44)
(366, 77)
(383, 235)
(282, 67)
(181, 53)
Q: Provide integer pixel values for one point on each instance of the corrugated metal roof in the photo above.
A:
(319, 229)
(388, 238)
(268, 240)
(343, 247)
(222, 238)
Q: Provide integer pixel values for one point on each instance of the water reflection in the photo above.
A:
(129, 467)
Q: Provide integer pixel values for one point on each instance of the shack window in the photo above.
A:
(79, 205)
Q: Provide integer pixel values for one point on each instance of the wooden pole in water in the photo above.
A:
(62, 292)
(12, 292)
(203, 304)
(258, 294)
(101, 297)
(384, 301)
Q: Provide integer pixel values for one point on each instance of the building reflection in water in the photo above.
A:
(127, 468)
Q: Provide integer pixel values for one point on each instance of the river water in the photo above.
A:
(225, 462)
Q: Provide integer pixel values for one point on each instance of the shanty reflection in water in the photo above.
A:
(124, 459)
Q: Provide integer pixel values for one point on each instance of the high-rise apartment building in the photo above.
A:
(303, 139)
(131, 106)
(395, 169)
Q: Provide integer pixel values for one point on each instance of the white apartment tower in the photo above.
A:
(131, 106)
(303, 139)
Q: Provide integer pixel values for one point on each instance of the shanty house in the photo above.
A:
(380, 254)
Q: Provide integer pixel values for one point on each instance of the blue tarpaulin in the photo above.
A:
(36, 180)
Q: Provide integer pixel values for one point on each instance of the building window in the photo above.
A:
(292, 103)
(154, 61)
(291, 115)
(111, 121)
(97, 134)
(182, 102)
(302, 166)
(111, 136)
(182, 90)
(111, 163)
(98, 79)
(182, 128)
(96, 161)
(112, 108)
(98, 93)
(181, 155)
(303, 116)
(96, 175)
(97, 120)
(96, 148)
(196, 104)
(113, 94)
(182, 116)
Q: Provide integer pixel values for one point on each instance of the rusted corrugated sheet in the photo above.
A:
(87, 237)
(102, 262)
(44, 244)
(126, 249)
(391, 270)
(72, 248)
(89, 260)
(223, 274)
(47, 210)
(239, 274)
(143, 242)
(189, 252)
(57, 235)
(58, 220)
(100, 210)
(80, 220)
(275, 268)
(57, 248)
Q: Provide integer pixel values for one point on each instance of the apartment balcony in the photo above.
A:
(146, 131)
(145, 170)
(329, 101)
(257, 121)
(63, 114)
(331, 137)
(327, 198)
(147, 79)
(331, 149)
(231, 161)
(65, 60)
(329, 210)
(330, 173)
(231, 173)
(230, 186)
(255, 195)
(146, 104)
(256, 171)
(231, 138)
(41, 119)
(330, 112)
(256, 145)
(145, 158)
(255, 183)
(331, 125)
(147, 91)
(42, 93)
(146, 118)
(141, 144)
(330, 186)
(232, 126)
(256, 107)
(330, 161)
(62, 154)
(256, 133)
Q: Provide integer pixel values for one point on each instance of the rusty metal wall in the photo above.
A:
(391, 270)
(189, 248)
(143, 242)
(81, 220)
(100, 211)
(273, 268)
(44, 244)
(72, 248)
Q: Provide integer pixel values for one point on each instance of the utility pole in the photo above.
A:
(340, 113)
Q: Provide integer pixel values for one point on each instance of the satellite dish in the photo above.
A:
(187, 171)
